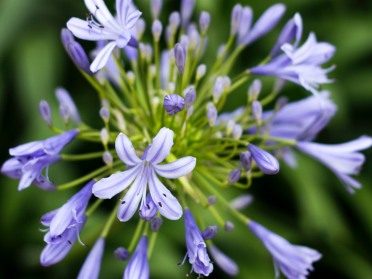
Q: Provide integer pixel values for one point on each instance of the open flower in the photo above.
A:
(196, 247)
(117, 30)
(294, 261)
(301, 65)
(31, 158)
(343, 159)
(143, 171)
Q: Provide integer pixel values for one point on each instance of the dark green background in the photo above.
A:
(308, 206)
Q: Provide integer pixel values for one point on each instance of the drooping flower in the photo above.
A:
(223, 261)
(196, 247)
(143, 171)
(117, 30)
(31, 158)
(138, 266)
(264, 24)
(266, 162)
(58, 250)
(301, 65)
(343, 159)
(92, 264)
(292, 260)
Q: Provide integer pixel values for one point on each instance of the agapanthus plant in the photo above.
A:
(165, 105)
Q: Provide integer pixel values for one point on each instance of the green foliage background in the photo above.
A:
(308, 206)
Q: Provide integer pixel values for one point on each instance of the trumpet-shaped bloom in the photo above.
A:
(294, 261)
(343, 159)
(223, 261)
(196, 247)
(117, 30)
(138, 266)
(31, 158)
(301, 65)
(143, 171)
(92, 264)
(55, 252)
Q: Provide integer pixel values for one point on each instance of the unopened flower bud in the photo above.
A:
(156, 6)
(226, 81)
(180, 57)
(236, 16)
(107, 158)
(242, 201)
(184, 40)
(245, 24)
(204, 21)
(66, 37)
(194, 38)
(174, 21)
(104, 112)
(156, 223)
(173, 104)
(155, 101)
(237, 131)
(256, 108)
(121, 254)
(218, 135)
(278, 85)
(105, 102)
(234, 176)
(229, 226)
(187, 7)
(140, 28)
(172, 57)
(190, 112)
(210, 232)
(280, 103)
(64, 112)
(266, 162)
(230, 127)
(152, 70)
(148, 209)
(200, 72)
(45, 112)
(221, 50)
(246, 160)
(211, 115)
(120, 119)
(157, 29)
(148, 53)
(104, 136)
(217, 90)
(131, 78)
(254, 90)
(171, 87)
(169, 36)
(212, 200)
(190, 98)
(79, 57)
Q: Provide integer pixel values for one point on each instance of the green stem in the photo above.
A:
(67, 157)
(136, 236)
(110, 221)
(93, 207)
(152, 243)
(157, 81)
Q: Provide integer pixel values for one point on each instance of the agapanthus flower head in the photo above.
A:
(196, 247)
(292, 260)
(117, 30)
(92, 264)
(343, 159)
(138, 266)
(266, 162)
(223, 261)
(173, 104)
(31, 158)
(144, 171)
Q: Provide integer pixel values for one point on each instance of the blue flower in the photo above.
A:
(92, 264)
(196, 247)
(143, 171)
(138, 266)
(294, 261)
(301, 65)
(266, 162)
(31, 158)
(173, 104)
(342, 159)
(117, 30)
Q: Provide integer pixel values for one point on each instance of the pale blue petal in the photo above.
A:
(177, 168)
(126, 152)
(161, 146)
(101, 60)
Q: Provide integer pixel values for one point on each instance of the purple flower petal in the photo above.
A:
(166, 203)
(161, 146)
(123, 39)
(223, 261)
(54, 145)
(177, 168)
(108, 187)
(124, 149)
(148, 209)
(65, 98)
(122, 9)
(138, 266)
(266, 162)
(101, 60)
(81, 30)
(102, 13)
(47, 218)
(92, 264)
